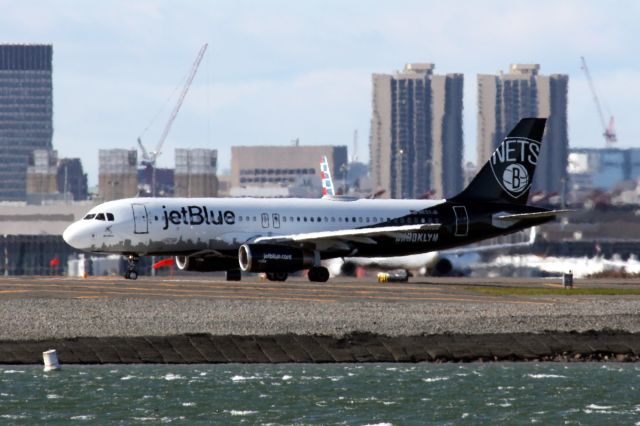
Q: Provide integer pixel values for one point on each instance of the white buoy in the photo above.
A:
(50, 359)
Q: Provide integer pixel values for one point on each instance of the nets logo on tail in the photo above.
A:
(513, 164)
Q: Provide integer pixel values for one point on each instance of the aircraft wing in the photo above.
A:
(359, 235)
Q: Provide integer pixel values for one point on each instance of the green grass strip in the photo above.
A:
(545, 291)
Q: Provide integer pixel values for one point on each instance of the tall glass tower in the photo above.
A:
(26, 112)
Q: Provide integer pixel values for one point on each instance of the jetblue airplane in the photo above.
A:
(281, 236)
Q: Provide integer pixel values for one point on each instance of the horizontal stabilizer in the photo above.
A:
(536, 215)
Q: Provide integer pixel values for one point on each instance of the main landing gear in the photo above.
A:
(318, 274)
(277, 276)
(234, 275)
(132, 270)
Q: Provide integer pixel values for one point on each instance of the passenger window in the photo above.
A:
(239, 218)
(319, 219)
(298, 218)
(89, 216)
(346, 219)
(333, 219)
(375, 219)
(305, 218)
(100, 216)
(255, 219)
(326, 219)
(311, 218)
(359, 219)
(367, 219)
(110, 217)
(246, 218)
(284, 218)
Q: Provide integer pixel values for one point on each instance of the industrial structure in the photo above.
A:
(195, 173)
(284, 171)
(148, 160)
(416, 140)
(608, 130)
(26, 111)
(603, 168)
(504, 99)
(118, 174)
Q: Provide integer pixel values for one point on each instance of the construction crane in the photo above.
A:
(609, 131)
(149, 157)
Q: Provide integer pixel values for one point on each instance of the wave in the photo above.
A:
(547, 376)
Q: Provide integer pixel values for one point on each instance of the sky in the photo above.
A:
(276, 71)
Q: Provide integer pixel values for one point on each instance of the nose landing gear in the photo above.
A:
(132, 270)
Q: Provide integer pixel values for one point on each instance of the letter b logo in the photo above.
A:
(515, 178)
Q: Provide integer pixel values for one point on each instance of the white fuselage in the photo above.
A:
(184, 225)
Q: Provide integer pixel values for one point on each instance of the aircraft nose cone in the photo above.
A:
(73, 236)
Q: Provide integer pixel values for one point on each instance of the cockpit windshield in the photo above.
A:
(100, 216)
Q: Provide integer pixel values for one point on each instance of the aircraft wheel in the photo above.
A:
(277, 276)
(319, 274)
(234, 275)
(127, 275)
(133, 275)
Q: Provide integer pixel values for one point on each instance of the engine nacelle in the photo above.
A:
(205, 263)
(443, 266)
(274, 258)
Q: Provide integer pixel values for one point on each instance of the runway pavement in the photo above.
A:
(296, 289)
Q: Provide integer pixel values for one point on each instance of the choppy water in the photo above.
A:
(395, 394)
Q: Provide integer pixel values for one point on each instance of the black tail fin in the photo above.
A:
(508, 174)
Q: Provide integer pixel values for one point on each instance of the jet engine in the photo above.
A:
(206, 263)
(442, 267)
(274, 258)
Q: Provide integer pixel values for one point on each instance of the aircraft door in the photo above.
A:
(462, 221)
(140, 219)
(265, 220)
(275, 218)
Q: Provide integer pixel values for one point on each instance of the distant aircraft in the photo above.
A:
(325, 175)
(455, 262)
(280, 236)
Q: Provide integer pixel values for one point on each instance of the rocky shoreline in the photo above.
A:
(616, 346)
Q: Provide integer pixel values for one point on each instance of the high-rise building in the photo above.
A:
(72, 179)
(26, 105)
(42, 172)
(416, 133)
(506, 98)
(195, 174)
(118, 173)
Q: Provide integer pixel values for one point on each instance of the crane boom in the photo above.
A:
(154, 154)
(609, 132)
